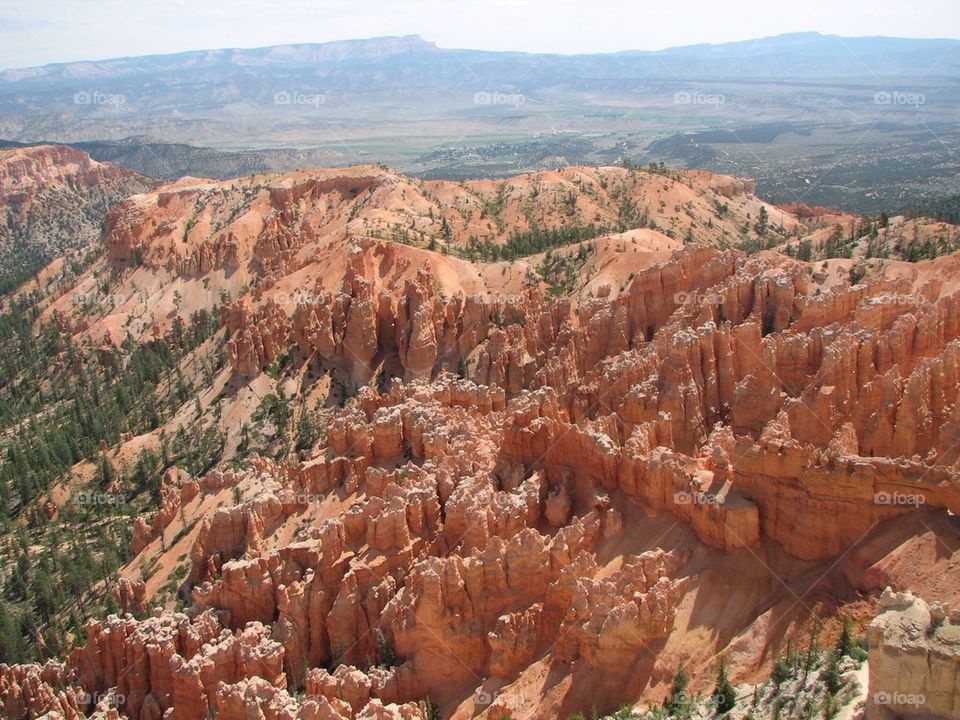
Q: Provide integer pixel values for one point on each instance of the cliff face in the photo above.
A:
(914, 660)
(41, 167)
(690, 452)
(823, 401)
(53, 199)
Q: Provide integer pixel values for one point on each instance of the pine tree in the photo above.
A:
(105, 471)
(781, 671)
(678, 701)
(724, 694)
(845, 644)
(43, 593)
(830, 675)
(11, 641)
(762, 222)
(308, 430)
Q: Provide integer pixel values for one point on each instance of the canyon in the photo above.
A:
(547, 476)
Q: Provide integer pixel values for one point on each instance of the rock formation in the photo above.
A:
(52, 198)
(551, 529)
(914, 660)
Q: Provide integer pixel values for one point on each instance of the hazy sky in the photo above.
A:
(34, 32)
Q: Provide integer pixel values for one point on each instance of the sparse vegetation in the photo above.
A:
(560, 270)
(529, 243)
(64, 408)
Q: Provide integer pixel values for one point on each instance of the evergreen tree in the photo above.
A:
(763, 222)
(11, 640)
(845, 644)
(678, 701)
(724, 694)
(830, 674)
(813, 649)
(44, 595)
(308, 430)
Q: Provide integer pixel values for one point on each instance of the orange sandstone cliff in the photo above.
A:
(535, 502)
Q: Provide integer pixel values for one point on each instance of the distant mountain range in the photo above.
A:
(807, 54)
(466, 113)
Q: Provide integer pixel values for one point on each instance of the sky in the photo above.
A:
(36, 32)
